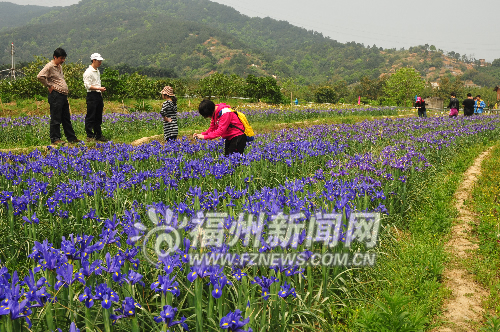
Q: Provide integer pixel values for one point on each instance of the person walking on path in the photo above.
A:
(420, 105)
(52, 77)
(169, 114)
(95, 103)
(224, 123)
(480, 105)
(468, 105)
(453, 105)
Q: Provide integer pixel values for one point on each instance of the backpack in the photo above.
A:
(243, 119)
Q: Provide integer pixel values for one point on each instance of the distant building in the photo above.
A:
(435, 85)
(482, 62)
(470, 84)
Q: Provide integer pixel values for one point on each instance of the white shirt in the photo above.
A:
(92, 77)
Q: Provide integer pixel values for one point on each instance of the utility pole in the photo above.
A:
(13, 66)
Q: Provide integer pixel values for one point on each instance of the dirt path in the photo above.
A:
(463, 310)
(145, 140)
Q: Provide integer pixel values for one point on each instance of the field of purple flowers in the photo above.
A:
(28, 131)
(75, 220)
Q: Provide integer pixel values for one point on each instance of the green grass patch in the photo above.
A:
(485, 263)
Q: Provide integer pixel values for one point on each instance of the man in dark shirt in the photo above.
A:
(468, 105)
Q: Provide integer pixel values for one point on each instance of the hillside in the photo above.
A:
(197, 37)
(12, 15)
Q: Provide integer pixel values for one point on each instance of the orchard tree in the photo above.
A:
(139, 87)
(114, 83)
(220, 85)
(447, 87)
(403, 85)
(263, 88)
(371, 89)
(325, 94)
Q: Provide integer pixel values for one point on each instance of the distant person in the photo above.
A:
(169, 114)
(296, 101)
(480, 105)
(224, 123)
(468, 105)
(95, 103)
(52, 77)
(453, 105)
(420, 106)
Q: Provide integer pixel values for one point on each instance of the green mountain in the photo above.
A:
(12, 15)
(193, 38)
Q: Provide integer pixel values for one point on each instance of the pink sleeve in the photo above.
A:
(211, 128)
(224, 122)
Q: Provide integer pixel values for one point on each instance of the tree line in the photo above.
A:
(398, 89)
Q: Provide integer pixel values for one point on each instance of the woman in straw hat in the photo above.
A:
(169, 114)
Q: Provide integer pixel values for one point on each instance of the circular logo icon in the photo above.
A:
(160, 242)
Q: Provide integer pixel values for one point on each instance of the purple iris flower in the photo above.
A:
(34, 219)
(47, 256)
(65, 276)
(238, 274)
(167, 317)
(170, 262)
(88, 268)
(165, 284)
(218, 282)
(198, 271)
(16, 309)
(234, 322)
(86, 297)
(135, 278)
(72, 328)
(113, 264)
(36, 291)
(287, 290)
(265, 284)
(130, 255)
(127, 309)
(106, 295)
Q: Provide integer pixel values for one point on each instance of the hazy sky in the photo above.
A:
(464, 26)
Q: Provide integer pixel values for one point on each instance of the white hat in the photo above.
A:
(96, 56)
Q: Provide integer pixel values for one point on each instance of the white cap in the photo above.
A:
(96, 56)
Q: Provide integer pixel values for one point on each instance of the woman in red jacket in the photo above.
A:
(226, 124)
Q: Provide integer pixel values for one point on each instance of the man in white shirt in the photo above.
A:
(95, 104)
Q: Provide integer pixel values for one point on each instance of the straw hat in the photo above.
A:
(168, 91)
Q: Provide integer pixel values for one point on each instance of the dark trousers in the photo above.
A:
(422, 113)
(59, 114)
(93, 119)
(235, 144)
